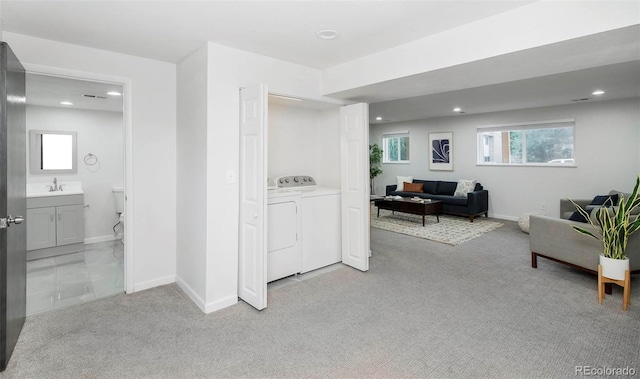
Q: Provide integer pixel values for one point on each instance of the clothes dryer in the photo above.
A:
(284, 224)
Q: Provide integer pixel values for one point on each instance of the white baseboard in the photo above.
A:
(191, 293)
(504, 217)
(199, 301)
(102, 239)
(220, 304)
(154, 283)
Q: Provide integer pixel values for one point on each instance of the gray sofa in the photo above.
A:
(553, 238)
(474, 204)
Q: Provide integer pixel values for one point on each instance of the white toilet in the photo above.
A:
(118, 197)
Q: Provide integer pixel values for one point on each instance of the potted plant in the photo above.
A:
(375, 157)
(616, 224)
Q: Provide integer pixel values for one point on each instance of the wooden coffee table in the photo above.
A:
(406, 205)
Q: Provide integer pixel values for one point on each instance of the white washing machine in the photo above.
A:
(284, 231)
(321, 221)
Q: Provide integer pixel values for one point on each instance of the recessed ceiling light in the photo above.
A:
(379, 118)
(597, 92)
(327, 34)
(457, 109)
(66, 103)
(114, 93)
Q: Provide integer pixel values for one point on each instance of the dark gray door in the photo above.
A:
(13, 206)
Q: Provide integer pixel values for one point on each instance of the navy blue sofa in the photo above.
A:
(474, 204)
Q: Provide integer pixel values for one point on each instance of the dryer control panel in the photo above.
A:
(295, 181)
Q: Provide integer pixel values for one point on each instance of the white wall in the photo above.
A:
(304, 141)
(191, 142)
(327, 163)
(99, 133)
(226, 71)
(606, 151)
(153, 119)
(230, 69)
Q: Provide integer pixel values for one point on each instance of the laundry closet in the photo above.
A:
(303, 186)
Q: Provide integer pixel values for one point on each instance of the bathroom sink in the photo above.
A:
(43, 189)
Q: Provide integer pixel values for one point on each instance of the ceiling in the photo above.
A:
(169, 30)
(49, 91)
(619, 81)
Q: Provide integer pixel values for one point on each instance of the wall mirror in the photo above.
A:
(52, 152)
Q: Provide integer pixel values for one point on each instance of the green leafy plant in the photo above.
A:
(616, 224)
(375, 158)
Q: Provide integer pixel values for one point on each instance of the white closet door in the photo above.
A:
(354, 161)
(252, 261)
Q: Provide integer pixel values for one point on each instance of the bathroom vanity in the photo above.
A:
(55, 221)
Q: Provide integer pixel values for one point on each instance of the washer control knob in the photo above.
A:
(280, 181)
(296, 179)
(286, 180)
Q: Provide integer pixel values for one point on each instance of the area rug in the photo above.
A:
(451, 230)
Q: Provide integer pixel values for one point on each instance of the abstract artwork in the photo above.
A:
(441, 155)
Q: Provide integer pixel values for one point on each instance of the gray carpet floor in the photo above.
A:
(424, 310)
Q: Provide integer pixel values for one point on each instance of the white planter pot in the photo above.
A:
(614, 268)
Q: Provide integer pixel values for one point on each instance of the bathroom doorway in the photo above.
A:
(66, 272)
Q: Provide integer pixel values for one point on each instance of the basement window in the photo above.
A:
(395, 148)
(544, 143)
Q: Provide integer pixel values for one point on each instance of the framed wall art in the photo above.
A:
(441, 154)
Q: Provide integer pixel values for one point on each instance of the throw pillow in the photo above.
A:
(413, 187)
(464, 187)
(401, 180)
(577, 216)
(606, 200)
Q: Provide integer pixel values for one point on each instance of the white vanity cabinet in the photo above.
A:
(55, 225)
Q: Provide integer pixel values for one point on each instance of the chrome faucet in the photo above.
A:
(55, 187)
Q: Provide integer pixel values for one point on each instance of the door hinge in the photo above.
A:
(3, 223)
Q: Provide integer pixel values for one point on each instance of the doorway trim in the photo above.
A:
(127, 117)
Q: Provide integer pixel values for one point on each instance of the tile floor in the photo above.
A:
(70, 279)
